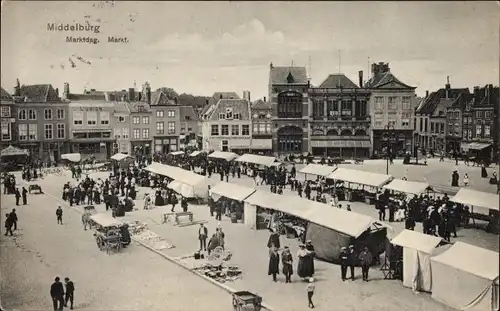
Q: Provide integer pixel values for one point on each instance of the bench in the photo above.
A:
(168, 217)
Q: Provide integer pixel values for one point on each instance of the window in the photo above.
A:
(48, 131)
(235, 130)
(487, 131)
(222, 116)
(159, 113)
(224, 130)
(255, 128)
(405, 115)
(392, 119)
(379, 102)
(405, 103)
(214, 131)
(469, 134)
(405, 122)
(289, 105)
(121, 119)
(469, 119)
(60, 114)
(22, 114)
(5, 112)
(31, 114)
(478, 131)
(171, 127)
(136, 120)
(432, 127)
(5, 131)
(262, 127)
(487, 115)
(245, 130)
(160, 128)
(171, 113)
(268, 127)
(229, 113)
(23, 131)
(136, 133)
(118, 133)
(104, 117)
(346, 108)
(47, 114)
(237, 116)
(145, 120)
(332, 108)
(392, 103)
(32, 131)
(379, 122)
(61, 130)
(145, 133)
(479, 114)
(92, 117)
(441, 128)
(125, 133)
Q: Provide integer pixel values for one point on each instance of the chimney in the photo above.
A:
(360, 74)
(139, 96)
(374, 69)
(57, 92)
(148, 94)
(66, 90)
(265, 99)
(131, 94)
(426, 93)
(206, 102)
(220, 96)
(271, 66)
(447, 87)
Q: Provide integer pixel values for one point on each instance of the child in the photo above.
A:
(466, 179)
(310, 292)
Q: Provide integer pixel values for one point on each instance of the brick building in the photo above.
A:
(8, 118)
(141, 131)
(165, 120)
(262, 130)
(457, 124)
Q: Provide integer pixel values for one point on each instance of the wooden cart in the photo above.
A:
(108, 235)
(243, 298)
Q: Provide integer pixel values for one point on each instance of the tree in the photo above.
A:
(170, 92)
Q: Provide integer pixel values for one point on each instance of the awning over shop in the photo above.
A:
(257, 159)
(120, 156)
(231, 191)
(105, 220)
(182, 189)
(416, 240)
(478, 146)
(477, 199)
(464, 146)
(73, 157)
(195, 153)
(262, 144)
(176, 153)
(360, 177)
(318, 169)
(13, 151)
(228, 156)
(340, 143)
(405, 186)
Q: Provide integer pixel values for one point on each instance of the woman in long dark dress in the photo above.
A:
(287, 261)
(274, 262)
(158, 199)
(310, 256)
(304, 265)
(274, 240)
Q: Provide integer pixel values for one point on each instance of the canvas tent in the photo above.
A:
(257, 159)
(465, 277)
(417, 250)
(120, 156)
(231, 191)
(13, 151)
(176, 153)
(405, 186)
(481, 202)
(228, 156)
(360, 177)
(73, 157)
(195, 153)
(329, 228)
(318, 169)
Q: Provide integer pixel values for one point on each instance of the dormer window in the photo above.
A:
(222, 116)
(237, 116)
(290, 78)
(229, 113)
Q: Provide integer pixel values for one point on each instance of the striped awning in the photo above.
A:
(341, 144)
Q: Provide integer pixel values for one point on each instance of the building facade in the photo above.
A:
(226, 126)
(339, 118)
(392, 111)
(262, 130)
(42, 119)
(188, 127)
(141, 128)
(121, 124)
(8, 118)
(288, 95)
(166, 121)
(457, 123)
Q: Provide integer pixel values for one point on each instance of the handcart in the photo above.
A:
(243, 298)
(108, 232)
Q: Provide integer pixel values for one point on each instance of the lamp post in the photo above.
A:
(388, 135)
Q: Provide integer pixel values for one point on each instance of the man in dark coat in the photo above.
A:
(274, 262)
(13, 218)
(18, 196)
(365, 259)
(57, 294)
(8, 225)
(352, 260)
(70, 293)
(274, 240)
(59, 214)
(24, 194)
(344, 262)
(202, 236)
(287, 261)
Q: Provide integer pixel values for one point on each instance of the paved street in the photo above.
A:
(250, 254)
(135, 279)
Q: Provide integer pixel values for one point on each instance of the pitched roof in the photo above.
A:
(188, 111)
(462, 100)
(491, 100)
(159, 98)
(93, 95)
(259, 104)
(225, 95)
(280, 75)
(138, 107)
(191, 100)
(338, 80)
(240, 106)
(5, 95)
(37, 93)
(429, 104)
(382, 79)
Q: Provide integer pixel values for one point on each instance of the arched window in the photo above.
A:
(360, 133)
(290, 139)
(346, 132)
(332, 132)
(290, 105)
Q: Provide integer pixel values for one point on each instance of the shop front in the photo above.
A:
(166, 144)
(341, 148)
(51, 151)
(401, 141)
(141, 147)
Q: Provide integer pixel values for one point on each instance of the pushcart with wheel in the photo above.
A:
(243, 298)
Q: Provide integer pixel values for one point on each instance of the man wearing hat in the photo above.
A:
(365, 259)
(351, 260)
(344, 259)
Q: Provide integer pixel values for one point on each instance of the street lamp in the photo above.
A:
(388, 135)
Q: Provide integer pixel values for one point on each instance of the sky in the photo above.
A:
(206, 47)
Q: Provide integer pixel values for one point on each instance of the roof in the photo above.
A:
(229, 156)
(382, 79)
(225, 95)
(177, 173)
(121, 107)
(188, 113)
(430, 103)
(4, 95)
(91, 95)
(475, 260)
(231, 191)
(38, 93)
(92, 103)
(191, 100)
(416, 240)
(257, 159)
(338, 80)
(462, 100)
(279, 75)
(405, 186)
(259, 104)
(240, 106)
(318, 169)
(120, 156)
(160, 98)
(476, 198)
(360, 177)
(138, 107)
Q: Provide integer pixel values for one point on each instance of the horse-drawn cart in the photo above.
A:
(109, 232)
(243, 298)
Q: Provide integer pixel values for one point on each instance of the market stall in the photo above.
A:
(257, 159)
(317, 170)
(231, 196)
(480, 202)
(110, 233)
(13, 151)
(72, 157)
(177, 153)
(222, 155)
(120, 157)
(195, 153)
(465, 277)
(417, 251)
(405, 186)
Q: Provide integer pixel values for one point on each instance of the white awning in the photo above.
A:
(13, 151)
(228, 156)
(195, 153)
(413, 187)
(416, 240)
(176, 153)
(182, 189)
(262, 144)
(105, 220)
(360, 177)
(73, 157)
(318, 169)
(257, 159)
(120, 157)
(231, 191)
(478, 146)
(476, 199)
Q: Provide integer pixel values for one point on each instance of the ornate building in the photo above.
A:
(262, 130)
(339, 119)
(288, 87)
